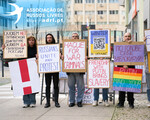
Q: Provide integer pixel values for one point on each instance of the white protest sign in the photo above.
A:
(74, 52)
(24, 77)
(15, 44)
(147, 35)
(48, 58)
(98, 73)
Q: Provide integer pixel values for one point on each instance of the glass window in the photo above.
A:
(101, 1)
(78, 1)
(101, 12)
(89, 12)
(89, 1)
(113, 1)
(113, 12)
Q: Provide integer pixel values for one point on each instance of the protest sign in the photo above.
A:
(24, 77)
(127, 79)
(74, 52)
(49, 58)
(129, 53)
(88, 96)
(149, 62)
(99, 43)
(147, 35)
(143, 69)
(15, 44)
(98, 73)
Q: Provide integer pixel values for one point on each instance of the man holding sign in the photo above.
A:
(130, 95)
(75, 78)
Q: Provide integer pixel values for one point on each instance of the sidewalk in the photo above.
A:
(11, 108)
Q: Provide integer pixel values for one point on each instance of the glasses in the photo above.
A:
(74, 36)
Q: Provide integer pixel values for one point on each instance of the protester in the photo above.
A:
(105, 97)
(48, 77)
(29, 100)
(130, 95)
(75, 78)
(147, 77)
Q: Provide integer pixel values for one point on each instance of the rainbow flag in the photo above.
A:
(127, 79)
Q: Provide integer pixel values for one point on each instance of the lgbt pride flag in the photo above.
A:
(127, 79)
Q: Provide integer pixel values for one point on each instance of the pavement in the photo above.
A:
(11, 108)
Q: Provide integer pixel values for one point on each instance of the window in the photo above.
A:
(113, 12)
(89, 12)
(101, 12)
(89, 1)
(101, 23)
(78, 1)
(4, 3)
(113, 23)
(101, 1)
(78, 13)
(1, 21)
(113, 1)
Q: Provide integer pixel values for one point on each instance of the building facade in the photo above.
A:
(104, 14)
(5, 22)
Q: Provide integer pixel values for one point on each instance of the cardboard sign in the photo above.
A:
(99, 43)
(88, 96)
(49, 58)
(143, 69)
(149, 62)
(15, 44)
(24, 77)
(127, 79)
(129, 54)
(147, 35)
(74, 52)
(98, 73)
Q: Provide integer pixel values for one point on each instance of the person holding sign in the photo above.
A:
(75, 78)
(48, 77)
(130, 95)
(147, 76)
(29, 100)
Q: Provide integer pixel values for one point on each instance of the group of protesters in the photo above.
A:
(75, 78)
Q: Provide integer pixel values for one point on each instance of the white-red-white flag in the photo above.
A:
(24, 77)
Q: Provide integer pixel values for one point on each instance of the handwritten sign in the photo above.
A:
(143, 69)
(24, 77)
(127, 79)
(49, 58)
(129, 54)
(147, 35)
(98, 73)
(74, 52)
(88, 96)
(15, 44)
(149, 62)
(99, 43)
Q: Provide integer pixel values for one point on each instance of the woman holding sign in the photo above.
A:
(30, 100)
(48, 77)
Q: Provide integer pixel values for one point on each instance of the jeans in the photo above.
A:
(104, 93)
(29, 99)
(148, 85)
(75, 78)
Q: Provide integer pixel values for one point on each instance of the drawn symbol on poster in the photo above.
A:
(25, 76)
(99, 43)
(88, 91)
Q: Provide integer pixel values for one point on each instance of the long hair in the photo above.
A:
(29, 39)
(53, 39)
